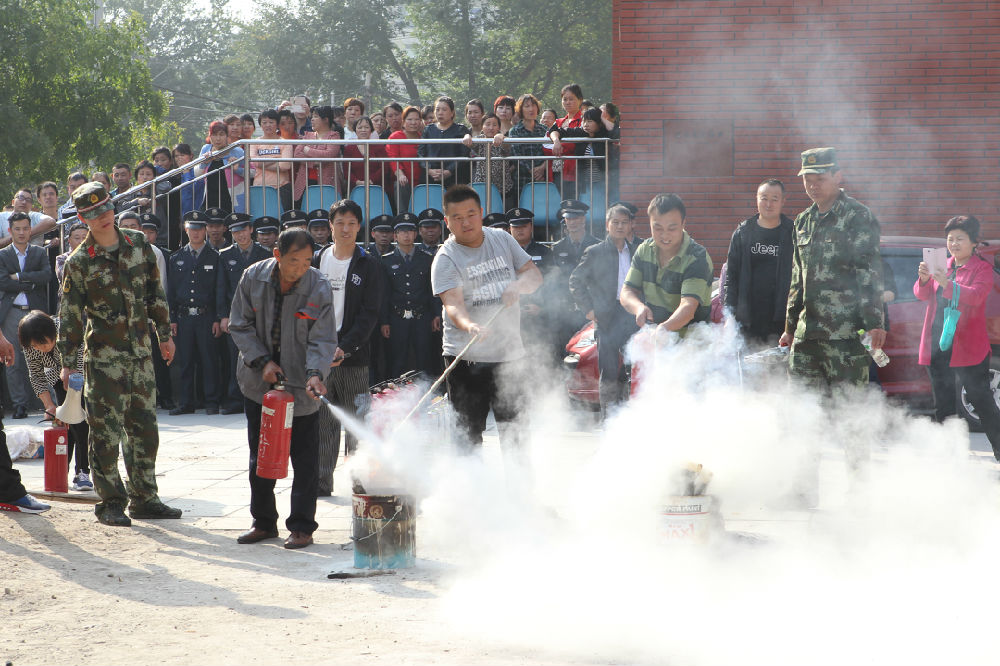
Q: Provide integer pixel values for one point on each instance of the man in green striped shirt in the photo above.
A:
(670, 281)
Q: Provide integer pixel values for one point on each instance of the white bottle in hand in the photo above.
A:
(878, 355)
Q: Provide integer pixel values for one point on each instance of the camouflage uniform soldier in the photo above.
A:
(112, 286)
(836, 284)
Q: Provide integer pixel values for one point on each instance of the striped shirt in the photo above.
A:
(44, 368)
(661, 288)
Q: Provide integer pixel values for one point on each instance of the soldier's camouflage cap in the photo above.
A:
(91, 200)
(819, 160)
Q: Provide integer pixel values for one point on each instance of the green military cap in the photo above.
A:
(819, 160)
(91, 200)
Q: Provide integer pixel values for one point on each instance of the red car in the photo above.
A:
(903, 378)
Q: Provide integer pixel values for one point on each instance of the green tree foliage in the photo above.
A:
(72, 95)
(470, 49)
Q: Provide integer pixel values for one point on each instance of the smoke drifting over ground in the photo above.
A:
(894, 567)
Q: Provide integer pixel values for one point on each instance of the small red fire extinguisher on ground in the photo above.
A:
(276, 414)
(56, 444)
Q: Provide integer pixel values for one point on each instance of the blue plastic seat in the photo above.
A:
(496, 199)
(379, 200)
(542, 199)
(427, 196)
(319, 196)
(264, 200)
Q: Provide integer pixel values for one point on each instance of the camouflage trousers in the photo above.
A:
(827, 364)
(121, 402)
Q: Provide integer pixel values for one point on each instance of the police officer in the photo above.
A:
(294, 218)
(191, 281)
(536, 308)
(216, 228)
(151, 226)
(410, 313)
(429, 226)
(566, 255)
(266, 230)
(232, 262)
(319, 228)
(381, 227)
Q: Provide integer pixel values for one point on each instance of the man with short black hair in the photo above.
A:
(669, 282)
(481, 273)
(24, 281)
(22, 203)
(357, 285)
(282, 322)
(73, 181)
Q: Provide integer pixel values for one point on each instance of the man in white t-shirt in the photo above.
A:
(40, 222)
(356, 280)
(476, 272)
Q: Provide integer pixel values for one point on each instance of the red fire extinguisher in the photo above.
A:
(276, 413)
(56, 444)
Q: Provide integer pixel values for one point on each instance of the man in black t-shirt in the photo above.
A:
(759, 268)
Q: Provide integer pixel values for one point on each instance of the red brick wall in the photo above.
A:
(908, 92)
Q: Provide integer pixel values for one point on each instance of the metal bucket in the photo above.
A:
(384, 531)
(691, 518)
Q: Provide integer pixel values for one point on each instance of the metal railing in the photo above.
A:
(515, 179)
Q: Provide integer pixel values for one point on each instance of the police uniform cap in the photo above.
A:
(572, 207)
(430, 217)
(130, 214)
(496, 220)
(237, 221)
(196, 219)
(293, 218)
(319, 218)
(216, 215)
(381, 223)
(265, 223)
(150, 220)
(517, 217)
(89, 196)
(819, 160)
(404, 221)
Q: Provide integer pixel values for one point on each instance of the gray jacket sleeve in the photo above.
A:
(323, 334)
(243, 324)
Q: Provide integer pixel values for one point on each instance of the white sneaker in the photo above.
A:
(82, 482)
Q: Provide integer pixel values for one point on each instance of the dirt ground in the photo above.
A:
(166, 592)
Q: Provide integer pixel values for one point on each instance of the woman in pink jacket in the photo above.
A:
(967, 361)
(318, 173)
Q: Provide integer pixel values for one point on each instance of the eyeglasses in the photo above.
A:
(24, 197)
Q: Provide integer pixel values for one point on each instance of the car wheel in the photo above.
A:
(965, 408)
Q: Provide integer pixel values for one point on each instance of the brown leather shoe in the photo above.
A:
(256, 534)
(298, 540)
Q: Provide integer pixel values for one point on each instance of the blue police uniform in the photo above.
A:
(191, 283)
(232, 262)
(408, 309)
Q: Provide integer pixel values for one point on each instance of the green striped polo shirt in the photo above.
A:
(687, 274)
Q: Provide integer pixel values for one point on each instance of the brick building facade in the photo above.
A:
(718, 95)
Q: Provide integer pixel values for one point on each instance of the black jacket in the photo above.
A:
(363, 293)
(191, 282)
(738, 279)
(594, 283)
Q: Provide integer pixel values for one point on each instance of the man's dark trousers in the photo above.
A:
(304, 455)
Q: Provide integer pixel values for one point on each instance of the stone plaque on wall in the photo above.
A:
(698, 148)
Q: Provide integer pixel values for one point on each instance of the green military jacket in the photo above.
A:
(108, 299)
(836, 284)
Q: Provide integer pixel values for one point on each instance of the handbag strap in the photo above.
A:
(955, 290)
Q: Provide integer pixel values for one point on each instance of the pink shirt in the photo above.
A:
(972, 342)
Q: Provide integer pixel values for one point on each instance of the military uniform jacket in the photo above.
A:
(836, 285)
(191, 282)
(118, 292)
(308, 338)
(408, 287)
(231, 267)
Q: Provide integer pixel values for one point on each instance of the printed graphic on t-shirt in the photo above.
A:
(489, 279)
(764, 249)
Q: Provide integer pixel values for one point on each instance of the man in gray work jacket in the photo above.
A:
(282, 322)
